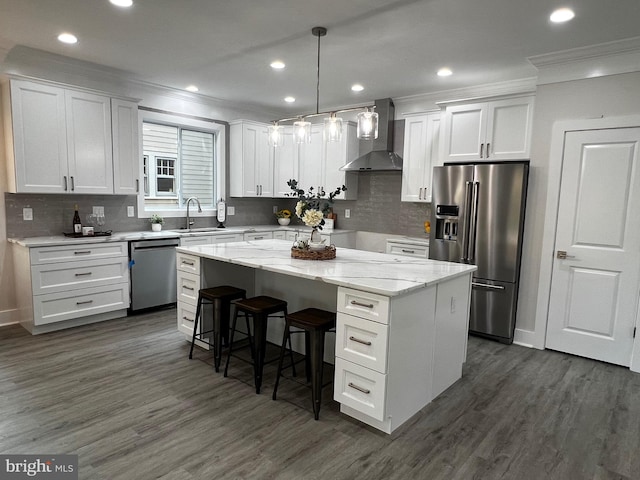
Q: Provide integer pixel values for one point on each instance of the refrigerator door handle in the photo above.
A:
(466, 219)
(486, 285)
(473, 220)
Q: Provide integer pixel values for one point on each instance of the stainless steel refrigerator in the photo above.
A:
(477, 217)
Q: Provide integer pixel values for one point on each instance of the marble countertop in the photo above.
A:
(55, 240)
(388, 275)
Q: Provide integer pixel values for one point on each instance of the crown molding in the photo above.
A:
(611, 58)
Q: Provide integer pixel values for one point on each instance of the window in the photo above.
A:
(180, 160)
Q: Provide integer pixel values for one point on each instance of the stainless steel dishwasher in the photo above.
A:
(153, 273)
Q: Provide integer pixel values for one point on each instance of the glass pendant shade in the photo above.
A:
(275, 136)
(332, 129)
(367, 125)
(302, 131)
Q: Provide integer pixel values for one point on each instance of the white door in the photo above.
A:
(594, 290)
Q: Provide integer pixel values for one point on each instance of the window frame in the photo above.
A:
(217, 128)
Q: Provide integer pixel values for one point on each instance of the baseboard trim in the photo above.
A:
(526, 338)
(8, 317)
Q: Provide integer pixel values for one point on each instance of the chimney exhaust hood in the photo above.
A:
(382, 157)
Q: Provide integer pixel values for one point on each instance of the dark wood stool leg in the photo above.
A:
(307, 357)
(195, 326)
(218, 307)
(233, 330)
(259, 344)
(317, 354)
(285, 336)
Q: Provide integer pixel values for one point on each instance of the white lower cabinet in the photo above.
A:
(405, 249)
(75, 284)
(257, 236)
(188, 285)
(360, 388)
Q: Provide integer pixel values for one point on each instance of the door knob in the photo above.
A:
(562, 255)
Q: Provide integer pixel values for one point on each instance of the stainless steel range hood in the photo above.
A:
(382, 157)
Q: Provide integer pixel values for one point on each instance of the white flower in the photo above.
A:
(312, 218)
(299, 208)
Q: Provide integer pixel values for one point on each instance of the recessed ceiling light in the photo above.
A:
(191, 88)
(277, 65)
(357, 87)
(68, 38)
(562, 15)
(444, 72)
(289, 99)
(122, 3)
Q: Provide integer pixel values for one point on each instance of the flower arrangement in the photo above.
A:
(155, 218)
(284, 213)
(312, 206)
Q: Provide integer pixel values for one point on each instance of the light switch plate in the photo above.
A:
(98, 211)
(130, 211)
(27, 213)
(231, 211)
(347, 213)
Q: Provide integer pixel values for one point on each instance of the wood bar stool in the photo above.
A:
(221, 298)
(259, 308)
(314, 323)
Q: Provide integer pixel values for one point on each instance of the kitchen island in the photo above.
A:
(401, 333)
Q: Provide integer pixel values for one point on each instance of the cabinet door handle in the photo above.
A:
(360, 389)
(188, 288)
(365, 305)
(404, 250)
(85, 302)
(65, 182)
(82, 252)
(481, 149)
(357, 340)
(488, 145)
(188, 319)
(420, 194)
(83, 274)
(258, 238)
(137, 185)
(73, 184)
(184, 262)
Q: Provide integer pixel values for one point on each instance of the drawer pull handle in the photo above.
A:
(408, 251)
(365, 305)
(83, 274)
(85, 302)
(82, 252)
(188, 319)
(360, 389)
(188, 288)
(184, 262)
(357, 340)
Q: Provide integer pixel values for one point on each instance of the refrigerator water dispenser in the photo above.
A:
(447, 222)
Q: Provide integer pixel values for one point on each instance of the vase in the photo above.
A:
(156, 227)
(284, 221)
(315, 236)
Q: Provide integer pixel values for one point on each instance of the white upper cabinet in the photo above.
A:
(310, 161)
(285, 164)
(60, 140)
(487, 131)
(126, 148)
(421, 140)
(251, 158)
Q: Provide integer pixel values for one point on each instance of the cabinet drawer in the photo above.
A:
(188, 287)
(280, 235)
(419, 251)
(58, 277)
(363, 304)
(226, 238)
(196, 240)
(257, 236)
(362, 341)
(56, 307)
(186, 317)
(188, 263)
(70, 253)
(360, 388)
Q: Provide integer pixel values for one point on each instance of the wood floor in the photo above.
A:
(124, 397)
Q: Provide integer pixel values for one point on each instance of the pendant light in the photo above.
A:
(333, 126)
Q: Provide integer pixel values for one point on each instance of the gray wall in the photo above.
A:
(377, 209)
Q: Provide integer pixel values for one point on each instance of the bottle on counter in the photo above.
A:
(77, 225)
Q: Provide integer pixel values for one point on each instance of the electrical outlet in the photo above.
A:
(347, 213)
(231, 211)
(27, 213)
(131, 211)
(275, 209)
(98, 211)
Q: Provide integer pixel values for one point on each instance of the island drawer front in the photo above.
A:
(58, 277)
(70, 253)
(360, 388)
(56, 307)
(257, 236)
(362, 341)
(188, 263)
(186, 317)
(188, 287)
(419, 251)
(363, 304)
(226, 238)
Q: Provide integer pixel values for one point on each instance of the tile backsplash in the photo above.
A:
(377, 209)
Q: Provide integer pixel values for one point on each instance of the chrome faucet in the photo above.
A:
(189, 221)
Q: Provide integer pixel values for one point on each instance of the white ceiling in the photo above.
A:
(392, 47)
